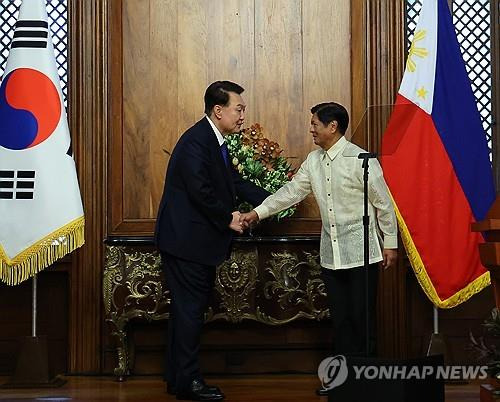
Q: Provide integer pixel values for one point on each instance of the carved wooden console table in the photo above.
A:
(272, 280)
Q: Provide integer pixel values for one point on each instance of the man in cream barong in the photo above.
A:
(334, 175)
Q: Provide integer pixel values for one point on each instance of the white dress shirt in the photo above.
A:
(336, 179)
(220, 138)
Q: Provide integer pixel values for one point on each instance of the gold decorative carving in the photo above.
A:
(283, 289)
(296, 286)
(285, 269)
(296, 283)
(234, 282)
(132, 289)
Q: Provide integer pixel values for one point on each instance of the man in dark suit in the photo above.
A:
(196, 223)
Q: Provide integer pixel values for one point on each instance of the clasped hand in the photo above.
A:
(243, 221)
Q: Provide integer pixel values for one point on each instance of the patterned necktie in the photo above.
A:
(225, 153)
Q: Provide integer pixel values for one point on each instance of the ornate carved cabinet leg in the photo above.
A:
(133, 288)
(112, 280)
(123, 369)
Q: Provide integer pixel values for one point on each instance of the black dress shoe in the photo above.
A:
(214, 388)
(322, 392)
(199, 391)
(172, 390)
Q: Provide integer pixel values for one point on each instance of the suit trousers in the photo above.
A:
(346, 300)
(190, 285)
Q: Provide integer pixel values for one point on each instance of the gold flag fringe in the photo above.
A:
(423, 278)
(42, 254)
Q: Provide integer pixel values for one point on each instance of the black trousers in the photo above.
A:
(346, 299)
(190, 286)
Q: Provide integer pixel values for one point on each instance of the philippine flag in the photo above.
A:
(41, 213)
(437, 165)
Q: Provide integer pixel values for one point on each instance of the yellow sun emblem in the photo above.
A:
(416, 51)
(422, 92)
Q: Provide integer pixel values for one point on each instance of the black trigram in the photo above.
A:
(31, 33)
(18, 184)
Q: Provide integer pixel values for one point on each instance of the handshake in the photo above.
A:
(243, 221)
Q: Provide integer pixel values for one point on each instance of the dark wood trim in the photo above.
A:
(358, 62)
(293, 226)
(384, 55)
(88, 123)
(116, 224)
(148, 241)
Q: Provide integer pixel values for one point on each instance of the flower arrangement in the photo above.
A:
(260, 161)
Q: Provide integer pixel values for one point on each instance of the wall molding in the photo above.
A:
(378, 47)
(88, 47)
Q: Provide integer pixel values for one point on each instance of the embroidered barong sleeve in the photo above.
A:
(290, 194)
(379, 197)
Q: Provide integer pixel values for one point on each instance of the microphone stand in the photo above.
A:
(366, 156)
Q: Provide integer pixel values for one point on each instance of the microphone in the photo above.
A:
(367, 155)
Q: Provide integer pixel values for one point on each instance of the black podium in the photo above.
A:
(379, 380)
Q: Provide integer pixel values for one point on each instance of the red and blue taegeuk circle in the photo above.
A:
(30, 109)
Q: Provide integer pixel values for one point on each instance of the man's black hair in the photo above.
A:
(217, 93)
(330, 111)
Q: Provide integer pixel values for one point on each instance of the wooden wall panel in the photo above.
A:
(163, 74)
(326, 64)
(137, 117)
(170, 51)
(231, 46)
(192, 62)
(327, 56)
(278, 72)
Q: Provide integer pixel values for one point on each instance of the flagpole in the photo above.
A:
(32, 366)
(437, 343)
(436, 320)
(33, 309)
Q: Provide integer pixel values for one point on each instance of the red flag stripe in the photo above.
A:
(434, 209)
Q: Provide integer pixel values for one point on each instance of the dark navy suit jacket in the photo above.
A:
(198, 198)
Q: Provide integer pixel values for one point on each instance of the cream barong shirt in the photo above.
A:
(336, 179)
